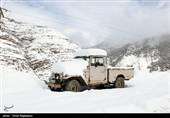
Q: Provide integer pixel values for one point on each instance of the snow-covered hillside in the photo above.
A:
(140, 56)
(26, 54)
(25, 46)
(11, 53)
(151, 54)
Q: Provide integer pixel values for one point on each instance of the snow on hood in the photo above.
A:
(73, 67)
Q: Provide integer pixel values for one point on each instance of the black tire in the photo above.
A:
(119, 83)
(52, 89)
(73, 85)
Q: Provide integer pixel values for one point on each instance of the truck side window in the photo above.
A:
(97, 61)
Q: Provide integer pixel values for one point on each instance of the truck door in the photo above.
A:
(97, 70)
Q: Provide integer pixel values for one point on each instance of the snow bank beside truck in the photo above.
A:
(13, 81)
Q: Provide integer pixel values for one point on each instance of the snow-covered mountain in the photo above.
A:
(27, 47)
(151, 54)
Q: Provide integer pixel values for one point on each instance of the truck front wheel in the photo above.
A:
(119, 83)
(73, 85)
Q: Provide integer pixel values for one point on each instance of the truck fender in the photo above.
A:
(120, 75)
(79, 79)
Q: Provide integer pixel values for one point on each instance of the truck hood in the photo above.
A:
(72, 67)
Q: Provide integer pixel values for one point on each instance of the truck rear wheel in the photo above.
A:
(119, 83)
(73, 85)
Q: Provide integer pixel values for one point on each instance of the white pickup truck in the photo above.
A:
(89, 69)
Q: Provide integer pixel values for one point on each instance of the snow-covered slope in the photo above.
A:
(11, 53)
(26, 54)
(38, 46)
(140, 55)
(150, 54)
(15, 72)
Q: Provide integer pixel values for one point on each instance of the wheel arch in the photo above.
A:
(78, 78)
(120, 75)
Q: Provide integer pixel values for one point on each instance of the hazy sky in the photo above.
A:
(88, 22)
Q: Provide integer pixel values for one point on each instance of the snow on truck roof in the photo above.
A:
(91, 52)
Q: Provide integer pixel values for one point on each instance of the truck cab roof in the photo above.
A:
(90, 52)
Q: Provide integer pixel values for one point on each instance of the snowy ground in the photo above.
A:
(145, 93)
